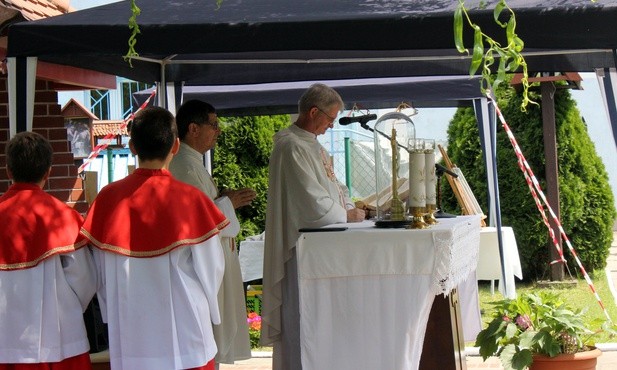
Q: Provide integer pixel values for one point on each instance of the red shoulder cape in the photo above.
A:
(150, 213)
(34, 226)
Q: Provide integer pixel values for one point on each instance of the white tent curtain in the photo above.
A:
(487, 125)
(174, 96)
(22, 87)
(607, 80)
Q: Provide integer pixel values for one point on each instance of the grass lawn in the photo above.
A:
(579, 296)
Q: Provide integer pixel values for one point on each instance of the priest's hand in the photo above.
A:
(241, 197)
(356, 215)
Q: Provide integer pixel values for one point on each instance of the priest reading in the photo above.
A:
(302, 192)
(159, 256)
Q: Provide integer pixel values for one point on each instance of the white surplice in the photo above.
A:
(42, 309)
(181, 338)
(232, 337)
(300, 194)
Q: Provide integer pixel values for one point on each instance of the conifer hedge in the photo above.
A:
(586, 201)
(241, 160)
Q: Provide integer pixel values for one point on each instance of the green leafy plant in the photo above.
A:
(533, 324)
(510, 55)
(241, 160)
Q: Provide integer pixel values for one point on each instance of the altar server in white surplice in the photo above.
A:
(198, 130)
(47, 274)
(159, 258)
(302, 192)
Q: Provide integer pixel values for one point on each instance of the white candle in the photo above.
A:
(431, 179)
(417, 175)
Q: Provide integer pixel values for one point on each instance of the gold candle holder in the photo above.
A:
(429, 216)
(417, 218)
(397, 207)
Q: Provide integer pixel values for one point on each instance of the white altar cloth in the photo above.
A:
(366, 293)
(489, 264)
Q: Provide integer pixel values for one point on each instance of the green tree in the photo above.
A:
(241, 160)
(586, 200)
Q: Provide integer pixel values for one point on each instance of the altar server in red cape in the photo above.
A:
(47, 276)
(159, 257)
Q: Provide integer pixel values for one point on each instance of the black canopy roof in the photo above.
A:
(255, 41)
(371, 93)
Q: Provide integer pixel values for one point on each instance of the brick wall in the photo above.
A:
(64, 183)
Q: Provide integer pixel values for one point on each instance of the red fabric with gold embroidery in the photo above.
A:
(150, 213)
(34, 226)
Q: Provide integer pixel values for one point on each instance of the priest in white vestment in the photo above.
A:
(302, 192)
(198, 130)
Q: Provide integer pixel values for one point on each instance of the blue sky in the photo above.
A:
(84, 4)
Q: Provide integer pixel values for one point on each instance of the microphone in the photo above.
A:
(443, 169)
(362, 119)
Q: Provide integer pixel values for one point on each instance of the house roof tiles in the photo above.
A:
(38, 9)
(103, 128)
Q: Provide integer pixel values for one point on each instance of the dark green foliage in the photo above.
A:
(586, 201)
(241, 160)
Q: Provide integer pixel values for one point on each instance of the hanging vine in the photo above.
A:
(510, 56)
(134, 27)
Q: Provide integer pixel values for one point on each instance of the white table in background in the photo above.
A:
(489, 263)
(366, 293)
(251, 258)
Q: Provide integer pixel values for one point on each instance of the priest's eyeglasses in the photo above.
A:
(326, 114)
(215, 125)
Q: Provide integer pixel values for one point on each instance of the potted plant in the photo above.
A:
(535, 328)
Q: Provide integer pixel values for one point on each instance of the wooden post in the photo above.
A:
(551, 170)
(91, 185)
(444, 344)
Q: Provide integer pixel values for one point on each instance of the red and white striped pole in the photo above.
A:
(108, 138)
(537, 193)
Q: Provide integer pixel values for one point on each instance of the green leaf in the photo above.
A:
(511, 330)
(497, 12)
(513, 61)
(522, 359)
(510, 31)
(518, 44)
(478, 51)
(458, 30)
(501, 71)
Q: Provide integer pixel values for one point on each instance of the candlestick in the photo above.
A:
(417, 186)
(431, 182)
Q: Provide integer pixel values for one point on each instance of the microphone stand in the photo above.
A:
(439, 171)
(366, 127)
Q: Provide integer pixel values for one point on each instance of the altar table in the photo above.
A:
(366, 293)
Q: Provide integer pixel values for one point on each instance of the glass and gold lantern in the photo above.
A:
(392, 132)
